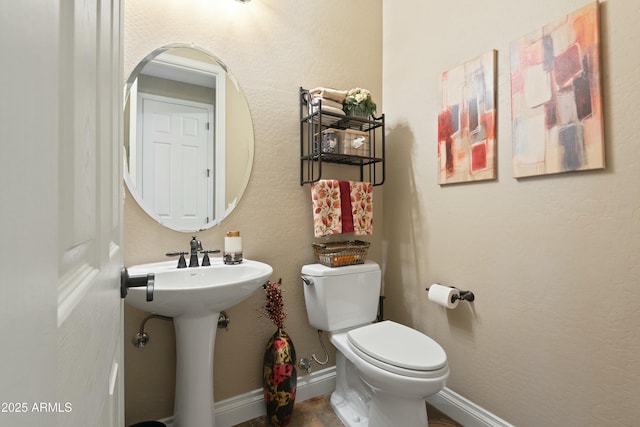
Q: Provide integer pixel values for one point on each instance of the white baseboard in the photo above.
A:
(250, 405)
(247, 406)
(464, 411)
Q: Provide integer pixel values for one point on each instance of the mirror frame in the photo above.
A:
(221, 211)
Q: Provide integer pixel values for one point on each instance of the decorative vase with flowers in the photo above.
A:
(359, 103)
(279, 375)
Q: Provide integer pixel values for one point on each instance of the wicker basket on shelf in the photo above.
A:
(339, 254)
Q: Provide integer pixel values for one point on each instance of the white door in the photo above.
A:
(176, 161)
(60, 164)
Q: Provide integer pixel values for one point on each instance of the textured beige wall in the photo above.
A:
(272, 47)
(553, 338)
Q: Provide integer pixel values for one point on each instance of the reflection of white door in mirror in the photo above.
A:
(190, 74)
(175, 160)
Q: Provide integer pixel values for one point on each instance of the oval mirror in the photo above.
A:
(188, 138)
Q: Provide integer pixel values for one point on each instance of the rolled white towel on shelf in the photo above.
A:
(329, 93)
(327, 102)
(327, 108)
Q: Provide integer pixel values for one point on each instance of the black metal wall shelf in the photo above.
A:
(314, 121)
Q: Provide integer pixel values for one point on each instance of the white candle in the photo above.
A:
(233, 247)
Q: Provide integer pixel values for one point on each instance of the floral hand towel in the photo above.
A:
(362, 207)
(327, 212)
(342, 207)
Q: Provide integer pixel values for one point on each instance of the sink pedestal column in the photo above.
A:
(195, 338)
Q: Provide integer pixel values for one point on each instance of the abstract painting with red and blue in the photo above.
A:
(556, 100)
(467, 122)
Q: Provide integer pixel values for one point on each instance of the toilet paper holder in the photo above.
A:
(463, 295)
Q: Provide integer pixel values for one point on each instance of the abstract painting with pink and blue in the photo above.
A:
(556, 100)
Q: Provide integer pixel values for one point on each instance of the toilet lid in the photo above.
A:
(398, 345)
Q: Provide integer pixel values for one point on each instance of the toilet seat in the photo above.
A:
(399, 349)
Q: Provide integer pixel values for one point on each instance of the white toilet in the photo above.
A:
(385, 370)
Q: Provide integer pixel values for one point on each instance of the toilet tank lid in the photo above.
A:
(322, 270)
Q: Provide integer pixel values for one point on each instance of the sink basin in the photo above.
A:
(194, 297)
(211, 289)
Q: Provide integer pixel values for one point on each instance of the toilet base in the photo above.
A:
(389, 411)
(350, 400)
(348, 411)
(383, 411)
(358, 405)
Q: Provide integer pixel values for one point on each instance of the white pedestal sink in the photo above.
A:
(194, 297)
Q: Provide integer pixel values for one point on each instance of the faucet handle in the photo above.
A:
(205, 259)
(182, 263)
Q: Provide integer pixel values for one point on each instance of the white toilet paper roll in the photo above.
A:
(443, 295)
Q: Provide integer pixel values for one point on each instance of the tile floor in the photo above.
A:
(317, 412)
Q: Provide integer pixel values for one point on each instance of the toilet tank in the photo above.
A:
(342, 297)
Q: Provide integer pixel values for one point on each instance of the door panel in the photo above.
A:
(28, 219)
(60, 307)
(90, 311)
